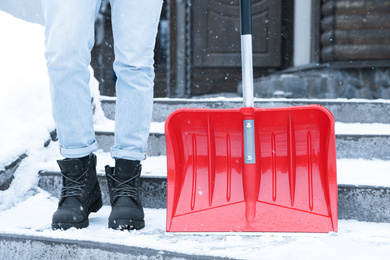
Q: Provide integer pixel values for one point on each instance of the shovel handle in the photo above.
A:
(249, 167)
(246, 52)
(246, 17)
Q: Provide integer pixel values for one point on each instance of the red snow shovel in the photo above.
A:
(251, 169)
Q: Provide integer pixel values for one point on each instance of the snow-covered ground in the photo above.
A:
(26, 122)
(355, 240)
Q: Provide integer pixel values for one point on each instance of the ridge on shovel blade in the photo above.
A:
(291, 187)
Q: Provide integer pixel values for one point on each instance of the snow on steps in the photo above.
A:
(364, 193)
(364, 185)
(16, 246)
(362, 139)
(344, 110)
(353, 140)
(362, 196)
(362, 202)
(362, 126)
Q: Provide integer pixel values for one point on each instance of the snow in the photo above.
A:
(239, 99)
(340, 128)
(362, 129)
(23, 81)
(26, 122)
(355, 240)
(349, 171)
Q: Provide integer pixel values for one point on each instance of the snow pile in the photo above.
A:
(25, 107)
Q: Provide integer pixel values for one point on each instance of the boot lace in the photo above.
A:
(124, 189)
(74, 187)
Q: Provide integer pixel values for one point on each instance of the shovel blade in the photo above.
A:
(291, 187)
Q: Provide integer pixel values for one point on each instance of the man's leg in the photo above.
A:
(69, 37)
(135, 25)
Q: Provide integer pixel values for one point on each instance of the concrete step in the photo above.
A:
(156, 142)
(365, 146)
(7, 175)
(347, 111)
(359, 202)
(153, 189)
(16, 246)
(369, 145)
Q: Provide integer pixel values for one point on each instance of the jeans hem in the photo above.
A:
(79, 152)
(128, 155)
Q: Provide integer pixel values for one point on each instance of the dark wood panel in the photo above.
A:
(356, 7)
(356, 52)
(356, 22)
(355, 30)
(372, 36)
(216, 33)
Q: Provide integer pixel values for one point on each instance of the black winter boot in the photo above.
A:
(124, 190)
(80, 194)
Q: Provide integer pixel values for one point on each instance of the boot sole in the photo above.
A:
(65, 226)
(83, 224)
(126, 224)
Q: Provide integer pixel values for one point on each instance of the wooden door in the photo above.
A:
(216, 48)
(216, 33)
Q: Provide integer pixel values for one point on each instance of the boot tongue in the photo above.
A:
(70, 167)
(125, 169)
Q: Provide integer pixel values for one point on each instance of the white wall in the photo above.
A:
(302, 32)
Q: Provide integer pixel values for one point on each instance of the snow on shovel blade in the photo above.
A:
(289, 186)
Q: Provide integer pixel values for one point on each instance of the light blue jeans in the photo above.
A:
(69, 38)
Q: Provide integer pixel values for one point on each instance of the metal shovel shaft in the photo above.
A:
(249, 167)
(246, 53)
